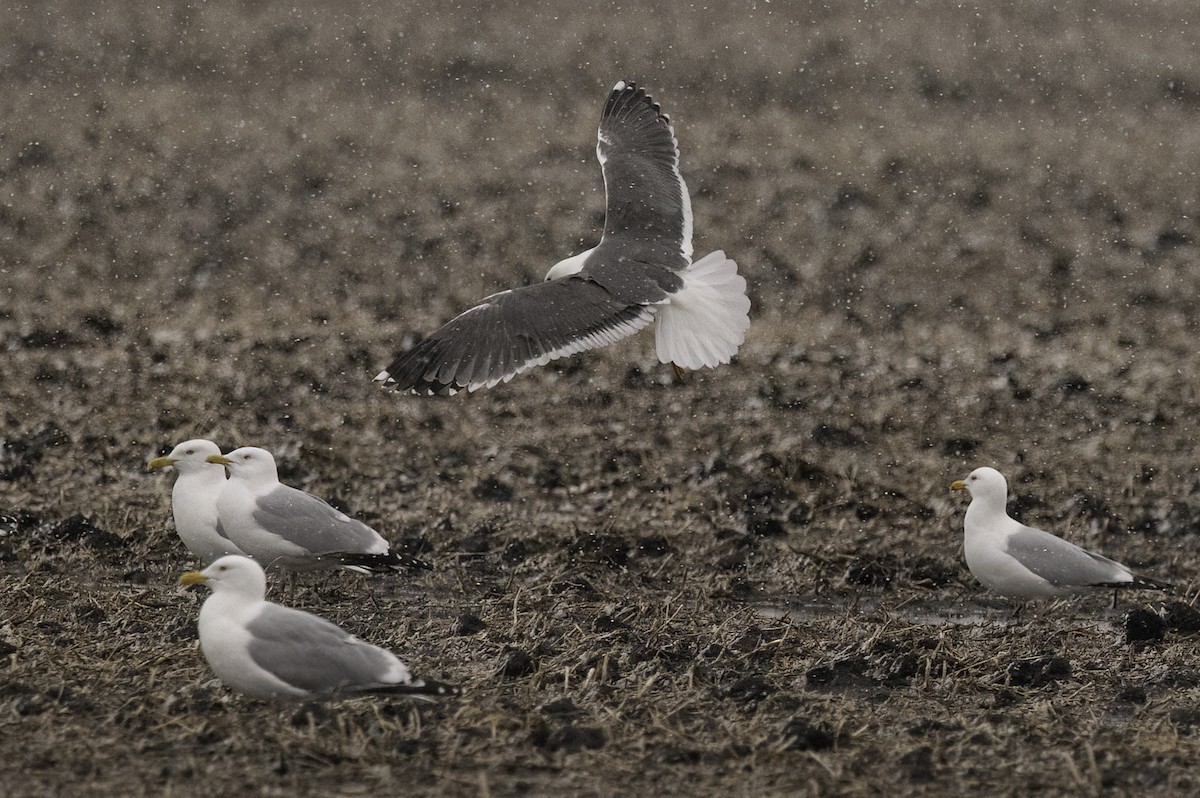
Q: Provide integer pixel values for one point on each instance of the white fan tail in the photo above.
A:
(705, 322)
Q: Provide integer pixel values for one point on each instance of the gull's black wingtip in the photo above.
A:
(628, 94)
(407, 374)
(441, 689)
(1146, 583)
(426, 689)
(380, 563)
(1138, 583)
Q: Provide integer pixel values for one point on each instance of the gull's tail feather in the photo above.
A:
(705, 322)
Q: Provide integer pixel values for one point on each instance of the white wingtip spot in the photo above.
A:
(620, 85)
(383, 377)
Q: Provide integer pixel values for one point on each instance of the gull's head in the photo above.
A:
(187, 457)
(249, 463)
(232, 573)
(568, 266)
(984, 483)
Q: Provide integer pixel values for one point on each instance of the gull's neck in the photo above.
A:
(568, 266)
(988, 506)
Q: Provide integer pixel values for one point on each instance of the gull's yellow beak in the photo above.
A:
(958, 484)
(160, 462)
(193, 578)
(219, 459)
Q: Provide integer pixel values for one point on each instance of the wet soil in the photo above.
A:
(970, 236)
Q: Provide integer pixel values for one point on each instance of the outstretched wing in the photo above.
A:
(648, 214)
(513, 331)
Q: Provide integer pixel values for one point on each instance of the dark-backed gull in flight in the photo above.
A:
(640, 271)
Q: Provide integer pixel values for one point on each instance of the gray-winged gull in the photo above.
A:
(641, 271)
(1024, 562)
(271, 651)
(194, 498)
(280, 525)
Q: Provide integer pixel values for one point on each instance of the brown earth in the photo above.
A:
(970, 235)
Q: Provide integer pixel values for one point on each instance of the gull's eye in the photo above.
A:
(245, 457)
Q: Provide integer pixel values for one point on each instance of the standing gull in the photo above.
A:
(194, 498)
(280, 525)
(1023, 562)
(640, 271)
(271, 651)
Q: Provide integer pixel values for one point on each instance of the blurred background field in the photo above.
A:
(970, 234)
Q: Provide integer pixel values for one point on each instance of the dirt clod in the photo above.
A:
(1038, 671)
(1180, 617)
(516, 664)
(1144, 625)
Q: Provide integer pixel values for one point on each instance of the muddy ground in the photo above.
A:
(971, 238)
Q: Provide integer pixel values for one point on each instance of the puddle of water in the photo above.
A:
(921, 613)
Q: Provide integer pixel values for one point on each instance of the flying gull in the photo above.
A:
(641, 270)
(270, 651)
(194, 498)
(1024, 562)
(280, 525)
